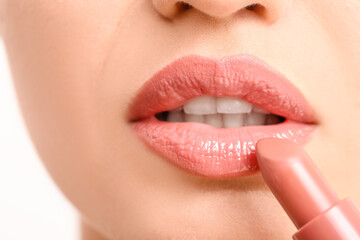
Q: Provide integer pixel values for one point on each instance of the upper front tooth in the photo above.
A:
(203, 105)
(232, 105)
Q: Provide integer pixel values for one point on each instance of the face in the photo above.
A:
(78, 65)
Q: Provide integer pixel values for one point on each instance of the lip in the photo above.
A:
(218, 152)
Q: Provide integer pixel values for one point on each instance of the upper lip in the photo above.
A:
(241, 76)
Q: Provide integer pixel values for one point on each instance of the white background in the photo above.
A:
(31, 206)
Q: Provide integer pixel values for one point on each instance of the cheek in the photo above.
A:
(338, 97)
(57, 52)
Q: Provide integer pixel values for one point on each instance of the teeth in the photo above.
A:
(226, 112)
(255, 119)
(259, 110)
(175, 116)
(234, 120)
(201, 105)
(214, 120)
(194, 118)
(232, 105)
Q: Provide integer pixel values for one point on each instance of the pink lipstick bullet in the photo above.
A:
(304, 194)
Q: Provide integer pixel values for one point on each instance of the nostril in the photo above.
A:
(252, 7)
(183, 6)
(256, 8)
(220, 9)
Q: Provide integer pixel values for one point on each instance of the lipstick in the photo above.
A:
(304, 193)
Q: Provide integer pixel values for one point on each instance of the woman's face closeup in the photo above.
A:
(133, 106)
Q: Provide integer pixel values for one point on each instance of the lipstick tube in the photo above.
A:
(304, 193)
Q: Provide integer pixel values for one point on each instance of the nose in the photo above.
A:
(269, 9)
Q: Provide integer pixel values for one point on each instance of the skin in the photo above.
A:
(77, 65)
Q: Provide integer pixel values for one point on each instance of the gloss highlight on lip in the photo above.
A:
(216, 152)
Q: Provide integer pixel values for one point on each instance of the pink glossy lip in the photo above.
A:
(218, 152)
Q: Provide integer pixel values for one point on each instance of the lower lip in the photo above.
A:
(214, 152)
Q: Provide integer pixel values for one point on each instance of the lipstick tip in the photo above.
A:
(276, 150)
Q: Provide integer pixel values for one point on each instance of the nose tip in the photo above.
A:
(270, 9)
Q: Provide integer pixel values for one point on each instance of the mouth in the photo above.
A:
(206, 115)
